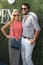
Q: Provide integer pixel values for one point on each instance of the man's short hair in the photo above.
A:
(26, 4)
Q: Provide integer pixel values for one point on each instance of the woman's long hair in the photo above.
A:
(15, 10)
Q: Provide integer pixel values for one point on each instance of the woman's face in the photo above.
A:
(16, 16)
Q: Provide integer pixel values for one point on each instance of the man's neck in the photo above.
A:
(25, 16)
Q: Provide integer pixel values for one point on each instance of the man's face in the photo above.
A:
(24, 9)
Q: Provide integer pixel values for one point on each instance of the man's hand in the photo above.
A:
(32, 41)
(35, 37)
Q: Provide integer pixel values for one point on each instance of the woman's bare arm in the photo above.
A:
(4, 27)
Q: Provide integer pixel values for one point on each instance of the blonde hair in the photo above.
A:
(15, 10)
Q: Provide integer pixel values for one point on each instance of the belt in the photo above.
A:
(26, 37)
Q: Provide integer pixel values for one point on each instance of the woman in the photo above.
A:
(15, 25)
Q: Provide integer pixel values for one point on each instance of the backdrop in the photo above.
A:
(37, 7)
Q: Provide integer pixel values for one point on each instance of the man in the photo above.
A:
(31, 31)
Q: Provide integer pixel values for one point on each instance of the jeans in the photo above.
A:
(26, 51)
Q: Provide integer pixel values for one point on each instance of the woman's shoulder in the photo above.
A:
(20, 21)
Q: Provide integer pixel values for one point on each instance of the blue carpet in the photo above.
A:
(2, 63)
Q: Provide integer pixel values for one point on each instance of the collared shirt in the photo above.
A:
(30, 24)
